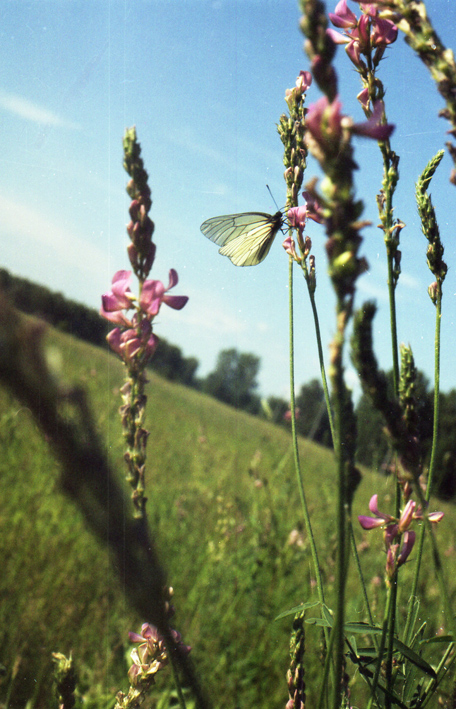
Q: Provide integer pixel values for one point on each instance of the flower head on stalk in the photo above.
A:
(150, 656)
(366, 36)
(328, 129)
(291, 131)
(133, 339)
(399, 538)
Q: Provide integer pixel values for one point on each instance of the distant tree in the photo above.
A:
(234, 380)
(313, 420)
(169, 362)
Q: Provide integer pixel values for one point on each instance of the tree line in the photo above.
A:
(235, 382)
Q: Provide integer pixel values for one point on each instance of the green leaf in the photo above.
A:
(297, 609)
(414, 658)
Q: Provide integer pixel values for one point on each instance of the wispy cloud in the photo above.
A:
(30, 111)
(29, 228)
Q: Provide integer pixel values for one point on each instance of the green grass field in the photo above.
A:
(222, 504)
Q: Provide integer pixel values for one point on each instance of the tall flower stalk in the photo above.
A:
(133, 339)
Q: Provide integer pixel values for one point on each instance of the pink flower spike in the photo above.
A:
(343, 17)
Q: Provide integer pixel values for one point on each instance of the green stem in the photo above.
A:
(341, 562)
(313, 547)
(386, 623)
(177, 682)
(393, 324)
(435, 429)
(362, 581)
(322, 361)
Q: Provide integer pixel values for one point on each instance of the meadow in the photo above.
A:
(224, 511)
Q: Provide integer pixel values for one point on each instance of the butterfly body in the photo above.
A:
(246, 237)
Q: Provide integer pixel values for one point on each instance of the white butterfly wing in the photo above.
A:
(245, 238)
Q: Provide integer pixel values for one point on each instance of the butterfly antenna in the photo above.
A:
(272, 197)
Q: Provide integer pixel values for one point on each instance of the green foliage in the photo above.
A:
(234, 380)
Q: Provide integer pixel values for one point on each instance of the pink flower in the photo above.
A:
(153, 294)
(297, 216)
(324, 122)
(395, 526)
(398, 554)
(290, 248)
(129, 343)
(119, 298)
(151, 655)
(379, 520)
(383, 32)
(343, 17)
(372, 128)
(363, 34)
(313, 208)
(134, 338)
(304, 81)
(364, 98)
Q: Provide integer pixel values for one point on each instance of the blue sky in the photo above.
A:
(204, 83)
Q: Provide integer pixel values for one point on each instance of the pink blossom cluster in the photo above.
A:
(150, 656)
(399, 538)
(134, 339)
(326, 124)
(303, 82)
(364, 35)
(297, 217)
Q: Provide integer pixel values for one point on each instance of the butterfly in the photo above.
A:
(245, 238)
